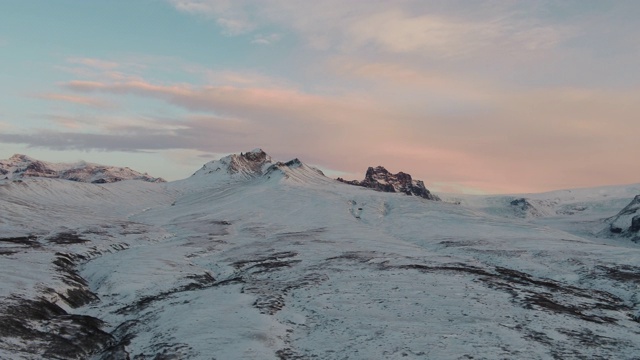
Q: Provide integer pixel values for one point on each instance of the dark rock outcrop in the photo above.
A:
(252, 161)
(627, 222)
(635, 224)
(524, 208)
(380, 179)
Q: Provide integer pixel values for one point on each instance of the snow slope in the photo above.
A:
(255, 259)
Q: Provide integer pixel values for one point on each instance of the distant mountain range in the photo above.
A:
(21, 166)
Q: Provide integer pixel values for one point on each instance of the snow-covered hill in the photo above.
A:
(21, 166)
(255, 259)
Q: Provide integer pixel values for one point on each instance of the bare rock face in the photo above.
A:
(627, 222)
(380, 179)
(525, 208)
(250, 162)
(635, 224)
(247, 165)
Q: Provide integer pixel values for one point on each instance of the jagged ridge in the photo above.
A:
(238, 166)
(256, 164)
(381, 179)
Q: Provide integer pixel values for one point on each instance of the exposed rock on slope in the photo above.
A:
(256, 164)
(627, 221)
(381, 179)
(241, 166)
(21, 166)
(523, 207)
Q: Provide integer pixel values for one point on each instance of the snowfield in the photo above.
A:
(251, 259)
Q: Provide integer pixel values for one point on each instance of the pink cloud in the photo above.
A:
(67, 122)
(4, 126)
(528, 141)
(75, 99)
(94, 63)
(403, 78)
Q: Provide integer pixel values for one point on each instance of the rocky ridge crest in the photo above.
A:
(380, 179)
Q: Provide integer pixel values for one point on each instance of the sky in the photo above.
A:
(470, 96)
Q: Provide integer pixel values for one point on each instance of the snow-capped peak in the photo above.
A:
(237, 166)
(21, 166)
(253, 165)
(20, 157)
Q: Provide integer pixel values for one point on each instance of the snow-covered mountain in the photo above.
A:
(248, 166)
(241, 166)
(381, 179)
(21, 166)
(252, 258)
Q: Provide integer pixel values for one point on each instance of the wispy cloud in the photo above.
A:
(227, 14)
(75, 99)
(267, 39)
(246, 78)
(457, 29)
(219, 99)
(432, 35)
(94, 63)
(67, 122)
(403, 78)
(5, 126)
(103, 69)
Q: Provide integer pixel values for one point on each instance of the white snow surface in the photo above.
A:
(261, 260)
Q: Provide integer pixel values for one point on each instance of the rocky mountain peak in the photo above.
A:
(294, 163)
(244, 165)
(251, 162)
(256, 164)
(19, 157)
(380, 179)
(256, 155)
